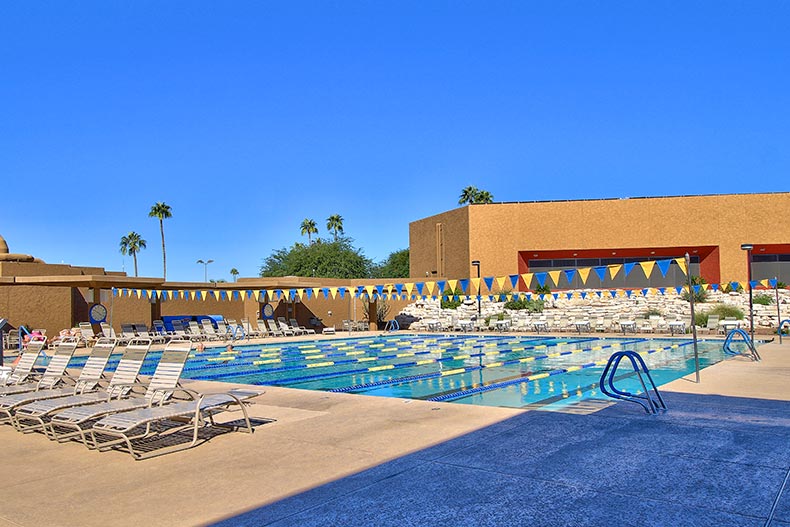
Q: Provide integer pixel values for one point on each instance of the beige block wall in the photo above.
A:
(497, 232)
(423, 246)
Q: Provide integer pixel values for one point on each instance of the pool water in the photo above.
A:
(512, 371)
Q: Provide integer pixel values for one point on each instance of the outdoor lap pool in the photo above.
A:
(510, 371)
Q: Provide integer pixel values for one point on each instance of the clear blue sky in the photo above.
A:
(247, 117)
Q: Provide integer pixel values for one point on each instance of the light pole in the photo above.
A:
(476, 263)
(205, 268)
(693, 316)
(748, 248)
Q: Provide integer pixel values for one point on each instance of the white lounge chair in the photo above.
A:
(53, 375)
(23, 371)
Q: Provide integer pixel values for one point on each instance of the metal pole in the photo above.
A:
(751, 299)
(778, 311)
(693, 322)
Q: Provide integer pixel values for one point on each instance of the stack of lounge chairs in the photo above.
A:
(119, 412)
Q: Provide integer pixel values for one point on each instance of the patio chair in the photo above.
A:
(262, 331)
(53, 374)
(196, 332)
(328, 330)
(712, 325)
(284, 324)
(125, 427)
(23, 371)
(87, 335)
(209, 331)
(273, 329)
(160, 329)
(285, 328)
(305, 330)
(163, 383)
(180, 332)
(645, 326)
(88, 379)
(142, 331)
(36, 415)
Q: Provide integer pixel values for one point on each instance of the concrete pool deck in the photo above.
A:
(719, 456)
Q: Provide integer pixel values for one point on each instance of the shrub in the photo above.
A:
(763, 299)
(701, 295)
(728, 288)
(448, 301)
(652, 312)
(543, 290)
(781, 285)
(701, 319)
(725, 311)
(531, 306)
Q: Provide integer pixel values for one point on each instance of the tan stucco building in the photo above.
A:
(515, 238)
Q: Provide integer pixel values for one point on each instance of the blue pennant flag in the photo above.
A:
(628, 267)
(529, 296)
(513, 280)
(678, 289)
(342, 291)
(663, 266)
(569, 274)
(696, 288)
(489, 282)
(601, 272)
(279, 293)
(464, 283)
(441, 284)
(584, 294)
(753, 284)
(541, 278)
(662, 290)
(613, 292)
(555, 295)
(542, 296)
(735, 285)
(568, 295)
(490, 298)
(773, 282)
(599, 293)
(380, 289)
(645, 291)
(419, 286)
(628, 293)
(399, 288)
(309, 292)
(455, 298)
(325, 292)
(715, 287)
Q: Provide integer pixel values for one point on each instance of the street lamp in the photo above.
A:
(205, 268)
(748, 248)
(476, 263)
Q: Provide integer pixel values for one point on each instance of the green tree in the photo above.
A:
(162, 211)
(484, 196)
(132, 244)
(468, 195)
(334, 223)
(309, 227)
(325, 259)
(234, 273)
(395, 266)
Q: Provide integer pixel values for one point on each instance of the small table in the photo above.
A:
(541, 326)
(503, 325)
(466, 325)
(728, 325)
(677, 326)
(583, 325)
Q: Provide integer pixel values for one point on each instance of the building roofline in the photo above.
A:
(635, 197)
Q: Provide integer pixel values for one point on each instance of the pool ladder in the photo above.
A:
(741, 333)
(652, 404)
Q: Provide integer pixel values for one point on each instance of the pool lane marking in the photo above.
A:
(499, 385)
(357, 371)
(467, 369)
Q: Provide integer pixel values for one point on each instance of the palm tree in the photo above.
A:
(335, 223)
(234, 273)
(132, 244)
(484, 196)
(468, 195)
(309, 227)
(161, 210)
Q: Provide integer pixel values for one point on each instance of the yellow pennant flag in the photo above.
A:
(451, 285)
(409, 287)
(614, 269)
(193, 294)
(764, 283)
(527, 277)
(139, 293)
(705, 287)
(647, 267)
(430, 287)
(500, 281)
(333, 292)
(369, 290)
(476, 283)
(204, 295)
(315, 292)
(682, 264)
(555, 277)
(256, 295)
(583, 274)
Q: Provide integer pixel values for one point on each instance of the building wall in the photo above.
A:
(498, 232)
(440, 244)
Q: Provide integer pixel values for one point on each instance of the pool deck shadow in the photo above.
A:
(719, 456)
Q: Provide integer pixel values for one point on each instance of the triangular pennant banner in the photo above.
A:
(555, 277)
(647, 267)
(489, 282)
(569, 275)
(628, 267)
(464, 285)
(583, 274)
(541, 278)
(601, 272)
(614, 269)
(682, 264)
(663, 266)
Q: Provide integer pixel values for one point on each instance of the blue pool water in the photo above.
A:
(511, 371)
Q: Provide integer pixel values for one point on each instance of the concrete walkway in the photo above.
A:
(720, 456)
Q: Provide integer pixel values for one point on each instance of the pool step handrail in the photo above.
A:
(391, 325)
(652, 404)
(740, 332)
